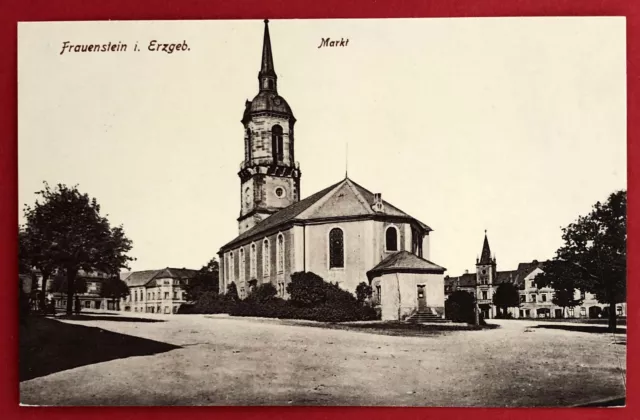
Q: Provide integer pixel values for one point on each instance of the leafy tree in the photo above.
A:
(263, 293)
(595, 246)
(115, 289)
(564, 279)
(506, 296)
(205, 281)
(60, 284)
(30, 256)
(232, 292)
(71, 235)
(309, 290)
(363, 292)
(460, 307)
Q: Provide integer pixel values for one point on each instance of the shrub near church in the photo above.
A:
(311, 298)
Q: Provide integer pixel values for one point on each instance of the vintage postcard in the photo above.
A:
(355, 212)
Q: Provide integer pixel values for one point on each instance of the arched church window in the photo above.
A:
(270, 83)
(253, 262)
(266, 259)
(248, 146)
(391, 239)
(242, 265)
(277, 144)
(280, 252)
(232, 266)
(336, 248)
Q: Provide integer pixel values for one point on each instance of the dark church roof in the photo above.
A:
(267, 100)
(404, 262)
(342, 200)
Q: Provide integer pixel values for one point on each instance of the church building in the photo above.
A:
(344, 233)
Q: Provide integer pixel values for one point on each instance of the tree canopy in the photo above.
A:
(205, 281)
(595, 252)
(506, 296)
(564, 278)
(66, 232)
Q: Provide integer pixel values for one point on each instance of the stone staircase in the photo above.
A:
(425, 316)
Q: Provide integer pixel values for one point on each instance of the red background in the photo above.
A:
(14, 11)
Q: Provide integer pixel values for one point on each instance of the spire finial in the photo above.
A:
(266, 21)
(346, 159)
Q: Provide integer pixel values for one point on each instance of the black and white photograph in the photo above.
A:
(408, 212)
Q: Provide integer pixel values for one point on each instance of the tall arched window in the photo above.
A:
(253, 262)
(242, 265)
(247, 146)
(232, 265)
(336, 248)
(277, 144)
(266, 259)
(280, 252)
(391, 239)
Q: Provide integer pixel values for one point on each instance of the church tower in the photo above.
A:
(485, 265)
(269, 174)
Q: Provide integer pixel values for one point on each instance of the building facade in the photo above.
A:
(534, 302)
(339, 233)
(156, 291)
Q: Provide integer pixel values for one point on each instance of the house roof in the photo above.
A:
(344, 199)
(515, 277)
(142, 278)
(404, 262)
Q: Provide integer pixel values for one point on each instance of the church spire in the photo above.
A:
(485, 256)
(267, 75)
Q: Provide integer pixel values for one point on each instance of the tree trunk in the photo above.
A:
(42, 299)
(71, 280)
(613, 317)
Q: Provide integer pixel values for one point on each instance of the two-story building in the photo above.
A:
(156, 291)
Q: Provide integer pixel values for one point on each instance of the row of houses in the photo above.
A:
(534, 302)
(150, 291)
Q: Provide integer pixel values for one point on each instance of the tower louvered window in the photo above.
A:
(277, 143)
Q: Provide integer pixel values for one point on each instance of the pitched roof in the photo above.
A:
(515, 277)
(142, 278)
(404, 262)
(485, 256)
(342, 199)
(465, 280)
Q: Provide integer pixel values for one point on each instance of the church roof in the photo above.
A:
(344, 199)
(268, 101)
(404, 262)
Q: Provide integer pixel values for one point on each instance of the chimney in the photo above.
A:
(466, 271)
(377, 206)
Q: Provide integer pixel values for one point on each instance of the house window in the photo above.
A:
(391, 239)
(253, 262)
(523, 298)
(175, 309)
(379, 293)
(175, 294)
(277, 144)
(167, 310)
(242, 265)
(484, 295)
(619, 310)
(166, 295)
(135, 296)
(534, 298)
(266, 259)
(544, 297)
(583, 311)
(336, 248)
(280, 251)
(281, 289)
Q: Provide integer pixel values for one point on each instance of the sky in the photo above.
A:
(513, 125)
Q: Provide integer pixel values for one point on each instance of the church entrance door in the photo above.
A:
(422, 298)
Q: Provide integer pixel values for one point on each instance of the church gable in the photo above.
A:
(342, 201)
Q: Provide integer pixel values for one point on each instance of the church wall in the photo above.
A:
(399, 294)
(357, 253)
(426, 247)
